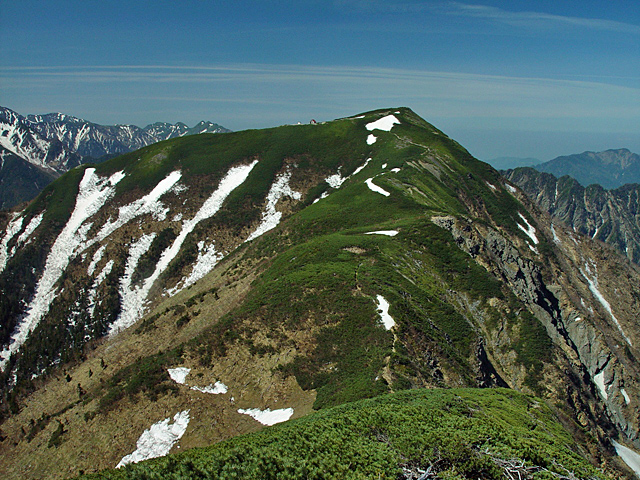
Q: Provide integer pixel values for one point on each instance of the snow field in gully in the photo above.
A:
(93, 193)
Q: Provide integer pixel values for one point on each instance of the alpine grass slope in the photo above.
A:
(204, 286)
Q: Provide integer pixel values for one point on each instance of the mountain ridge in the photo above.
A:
(610, 168)
(607, 215)
(55, 143)
(265, 260)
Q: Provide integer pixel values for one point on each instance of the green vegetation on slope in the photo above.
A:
(458, 433)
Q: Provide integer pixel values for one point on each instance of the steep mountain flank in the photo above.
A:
(204, 286)
(20, 181)
(611, 168)
(54, 143)
(611, 216)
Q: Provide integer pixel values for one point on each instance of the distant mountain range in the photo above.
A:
(505, 163)
(36, 149)
(611, 168)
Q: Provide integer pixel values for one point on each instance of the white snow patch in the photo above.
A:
(529, 230)
(268, 417)
(216, 389)
(511, 188)
(629, 456)
(361, 167)
(556, 239)
(384, 165)
(376, 188)
(179, 374)
(13, 228)
(93, 193)
(389, 233)
(624, 393)
(33, 224)
(134, 308)
(207, 259)
(383, 310)
(593, 286)
(599, 382)
(271, 217)
(395, 170)
(96, 258)
(371, 139)
(158, 439)
(491, 186)
(336, 180)
(91, 298)
(384, 123)
(149, 204)
(132, 305)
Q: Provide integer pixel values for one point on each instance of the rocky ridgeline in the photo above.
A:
(611, 216)
(39, 148)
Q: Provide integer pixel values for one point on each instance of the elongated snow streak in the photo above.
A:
(360, 168)
(529, 230)
(12, 229)
(624, 393)
(134, 308)
(593, 286)
(388, 233)
(556, 239)
(383, 310)
(207, 259)
(96, 258)
(91, 299)
(93, 193)
(371, 139)
(511, 188)
(158, 439)
(216, 389)
(33, 224)
(384, 123)
(271, 217)
(130, 299)
(268, 416)
(149, 204)
(179, 374)
(630, 457)
(376, 188)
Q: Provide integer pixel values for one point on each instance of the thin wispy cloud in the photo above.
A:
(447, 93)
(539, 19)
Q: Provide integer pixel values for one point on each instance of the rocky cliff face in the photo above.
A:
(297, 268)
(611, 216)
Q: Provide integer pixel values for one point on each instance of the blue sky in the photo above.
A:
(517, 78)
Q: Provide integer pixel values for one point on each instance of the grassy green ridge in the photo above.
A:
(315, 280)
(460, 433)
